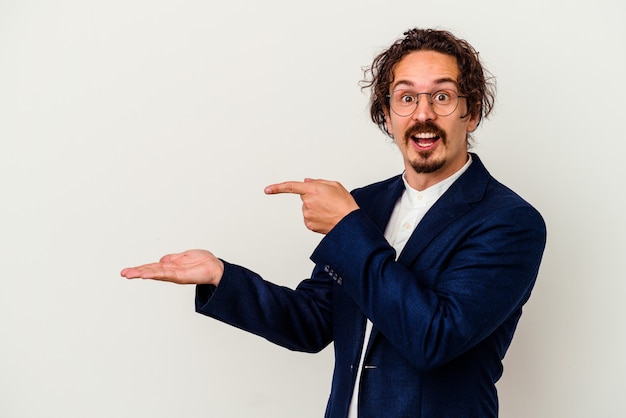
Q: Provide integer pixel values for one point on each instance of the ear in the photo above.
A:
(388, 126)
(474, 120)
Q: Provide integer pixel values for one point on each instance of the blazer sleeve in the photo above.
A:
(468, 281)
(299, 319)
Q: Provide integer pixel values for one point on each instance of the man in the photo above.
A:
(420, 279)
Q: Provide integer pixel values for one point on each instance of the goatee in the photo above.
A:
(426, 163)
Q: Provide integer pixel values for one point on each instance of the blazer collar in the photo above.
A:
(468, 189)
(457, 200)
(384, 202)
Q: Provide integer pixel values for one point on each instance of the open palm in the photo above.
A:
(189, 267)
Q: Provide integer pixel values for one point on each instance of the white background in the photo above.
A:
(123, 137)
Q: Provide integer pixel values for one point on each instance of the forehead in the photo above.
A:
(424, 69)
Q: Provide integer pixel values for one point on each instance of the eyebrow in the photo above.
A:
(437, 82)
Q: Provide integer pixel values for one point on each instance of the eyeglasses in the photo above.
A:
(442, 102)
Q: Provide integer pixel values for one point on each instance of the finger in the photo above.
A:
(130, 272)
(146, 271)
(293, 187)
(321, 181)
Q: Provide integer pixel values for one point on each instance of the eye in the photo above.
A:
(442, 96)
(406, 98)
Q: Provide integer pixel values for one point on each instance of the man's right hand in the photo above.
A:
(189, 267)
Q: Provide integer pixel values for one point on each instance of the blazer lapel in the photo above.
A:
(380, 206)
(455, 202)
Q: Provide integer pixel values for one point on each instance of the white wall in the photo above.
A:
(122, 137)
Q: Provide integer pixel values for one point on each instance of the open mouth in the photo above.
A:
(425, 140)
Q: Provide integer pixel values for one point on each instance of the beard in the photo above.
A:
(426, 163)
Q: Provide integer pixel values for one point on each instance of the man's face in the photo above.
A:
(433, 147)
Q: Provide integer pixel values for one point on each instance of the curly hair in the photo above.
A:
(474, 81)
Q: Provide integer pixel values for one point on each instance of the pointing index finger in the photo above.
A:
(294, 187)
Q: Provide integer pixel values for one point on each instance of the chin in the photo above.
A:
(427, 163)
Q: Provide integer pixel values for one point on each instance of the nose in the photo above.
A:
(424, 110)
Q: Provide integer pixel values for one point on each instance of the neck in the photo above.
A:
(422, 181)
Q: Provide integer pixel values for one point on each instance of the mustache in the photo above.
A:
(424, 127)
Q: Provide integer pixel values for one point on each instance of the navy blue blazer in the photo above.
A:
(444, 312)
